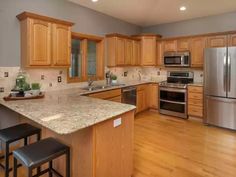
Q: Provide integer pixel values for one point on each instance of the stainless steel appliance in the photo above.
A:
(220, 87)
(177, 59)
(173, 94)
(129, 95)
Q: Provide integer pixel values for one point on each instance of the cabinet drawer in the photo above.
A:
(195, 111)
(195, 102)
(141, 87)
(107, 94)
(197, 96)
(195, 89)
(116, 99)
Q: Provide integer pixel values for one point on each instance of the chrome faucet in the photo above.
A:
(139, 76)
(90, 82)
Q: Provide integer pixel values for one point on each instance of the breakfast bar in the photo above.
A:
(98, 132)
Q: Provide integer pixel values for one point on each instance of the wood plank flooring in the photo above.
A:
(172, 147)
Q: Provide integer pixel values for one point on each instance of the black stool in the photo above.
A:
(39, 153)
(13, 134)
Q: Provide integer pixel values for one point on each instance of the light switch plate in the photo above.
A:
(117, 122)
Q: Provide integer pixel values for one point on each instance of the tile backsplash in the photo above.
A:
(48, 78)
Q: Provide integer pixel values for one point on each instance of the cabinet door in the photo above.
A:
(61, 45)
(160, 53)
(170, 45)
(136, 53)
(141, 101)
(148, 51)
(39, 48)
(128, 51)
(152, 98)
(120, 51)
(217, 41)
(183, 44)
(198, 45)
(232, 40)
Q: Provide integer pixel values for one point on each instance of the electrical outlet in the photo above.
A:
(59, 79)
(6, 74)
(42, 77)
(126, 74)
(1, 89)
(158, 73)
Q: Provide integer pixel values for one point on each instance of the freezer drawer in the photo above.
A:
(220, 112)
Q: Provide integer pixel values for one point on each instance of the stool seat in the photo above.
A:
(17, 132)
(40, 152)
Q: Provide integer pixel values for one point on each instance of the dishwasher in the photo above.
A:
(129, 95)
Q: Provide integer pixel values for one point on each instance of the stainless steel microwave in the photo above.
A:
(177, 59)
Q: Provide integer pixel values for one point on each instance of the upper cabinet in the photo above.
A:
(198, 45)
(183, 44)
(160, 53)
(217, 41)
(170, 46)
(45, 42)
(148, 50)
(122, 50)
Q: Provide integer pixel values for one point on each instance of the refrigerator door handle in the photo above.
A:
(225, 73)
(229, 73)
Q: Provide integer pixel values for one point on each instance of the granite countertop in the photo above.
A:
(66, 111)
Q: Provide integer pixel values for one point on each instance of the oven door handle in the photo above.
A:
(175, 102)
(129, 89)
(173, 90)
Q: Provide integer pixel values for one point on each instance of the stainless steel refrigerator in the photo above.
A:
(220, 87)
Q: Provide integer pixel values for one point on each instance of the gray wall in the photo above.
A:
(87, 21)
(218, 23)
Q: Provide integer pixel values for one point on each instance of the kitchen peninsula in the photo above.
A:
(99, 132)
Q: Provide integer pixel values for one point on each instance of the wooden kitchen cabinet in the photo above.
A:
(198, 45)
(232, 40)
(152, 96)
(183, 44)
(61, 45)
(170, 45)
(148, 50)
(217, 41)
(141, 104)
(120, 51)
(128, 51)
(136, 53)
(160, 53)
(45, 41)
(195, 101)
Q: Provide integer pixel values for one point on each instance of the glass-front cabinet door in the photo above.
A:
(91, 59)
(76, 59)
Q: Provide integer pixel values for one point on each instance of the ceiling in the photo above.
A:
(153, 12)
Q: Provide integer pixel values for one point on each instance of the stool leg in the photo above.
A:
(25, 141)
(30, 172)
(38, 139)
(7, 160)
(68, 163)
(50, 169)
(15, 168)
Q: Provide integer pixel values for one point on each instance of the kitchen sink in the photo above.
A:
(100, 87)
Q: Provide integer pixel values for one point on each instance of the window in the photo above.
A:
(87, 58)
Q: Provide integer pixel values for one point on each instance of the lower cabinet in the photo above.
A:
(195, 101)
(142, 98)
(152, 96)
(111, 95)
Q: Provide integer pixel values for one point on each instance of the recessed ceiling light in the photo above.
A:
(182, 8)
(95, 0)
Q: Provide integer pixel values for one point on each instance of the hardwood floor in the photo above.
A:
(172, 147)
